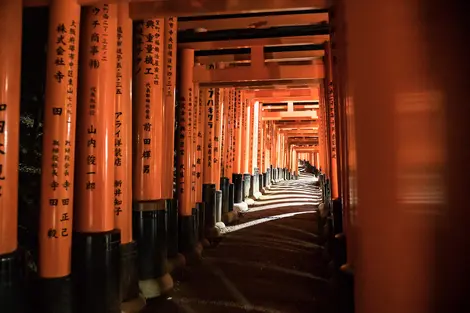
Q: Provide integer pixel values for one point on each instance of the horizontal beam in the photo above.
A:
(268, 72)
(255, 22)
(301, 125)
(44, 3)
(141, 9)
(301, 115)
(297, 107)
(261, 95)
(269, 57)
(214, 7)
(247, 43)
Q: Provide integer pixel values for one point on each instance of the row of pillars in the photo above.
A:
(113, 209)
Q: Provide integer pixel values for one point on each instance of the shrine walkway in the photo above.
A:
(270, 262)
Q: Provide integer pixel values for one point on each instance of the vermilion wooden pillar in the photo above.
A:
(331, 108)
(413, 167)
(150, 211)
(11, 293)
(123, 155)
(184, 164)
(96, 241)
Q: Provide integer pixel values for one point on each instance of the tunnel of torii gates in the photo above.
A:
(121, 96)
(107, 161)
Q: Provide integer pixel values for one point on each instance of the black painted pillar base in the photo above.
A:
(231, 197)
(200, 222)
(172, 243)
(53, 295)
(96, 272)
(264, 179)
(129, 271)
(238, 188)
(187, 240)
(12, 291)
(337, 216)
(150, 229)
(246, 186)
(208, 197)
(218, 206)
(225, 186)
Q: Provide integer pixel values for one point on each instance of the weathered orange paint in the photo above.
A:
(183, 186)
(96, 113)
(11, 16)
(123, 131)
(170, 48)
(148, 114)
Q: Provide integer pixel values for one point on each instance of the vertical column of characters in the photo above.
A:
(123, 127)
(261, 142)
(244, 131)
(184, 131)
(233, 136)
(216, 162)
(232, 121)
(209, 95)
(171, 28)
(223, 142)
(199, 142)
(193, 123)
(227, 143)
(59, 141)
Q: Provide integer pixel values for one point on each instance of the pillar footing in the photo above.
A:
(153, 288)
(249, 201)
(240, 207)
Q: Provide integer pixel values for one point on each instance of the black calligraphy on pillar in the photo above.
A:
(105, 34)
(72, 55)
(147, 128)
(117, 197)
(182, 133)
(91, 158)
(210, 124)
(61, 45)
(157, 49)
(331, 116)
(3, 152)
(200, 113)
(216, 131)
(170, 29)
(194, 138)
(97, 38)
(119, 61)
(138, 46)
